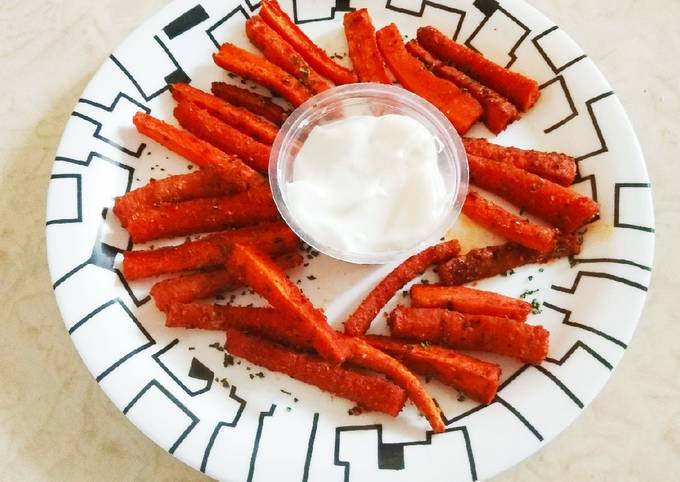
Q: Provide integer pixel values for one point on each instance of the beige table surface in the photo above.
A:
(55, 422)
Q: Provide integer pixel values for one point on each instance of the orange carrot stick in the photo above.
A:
(260, 70)
(471, 332)
(361, 319)
(238, 118)
(364, 355)
(203, 215)
(278, 20)
(458, 106)
(255, 103)
(469, 301)
(183, 187)
(363, 49)
(369, 391)
(270, 282)
(513, 228)
(221, 135)
(266, 322)
(272, 238)
(475, 378)
(494, 260)
(498, 111)
(559, 206)
(554, 166)
(198, 286)
(204, 155)
(280, 53)
(522, 91)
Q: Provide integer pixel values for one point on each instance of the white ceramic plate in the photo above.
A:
(235, 426)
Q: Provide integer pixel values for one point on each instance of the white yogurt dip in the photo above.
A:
(368, 184)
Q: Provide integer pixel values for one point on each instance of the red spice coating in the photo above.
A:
(277, 19)
(272, 238)
(203, 215)
(260, 70)
(469, 300)
(238, 118)
(221, 135)
(363, 49)
(471, 332)
(522, 91)
(255, 103)
(475, 378)
(358, 322)
(511, 227)
(369, 391)
(558, 205)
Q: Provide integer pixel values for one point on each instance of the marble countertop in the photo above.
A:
(56, 423)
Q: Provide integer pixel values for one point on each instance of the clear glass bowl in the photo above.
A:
(375, 100)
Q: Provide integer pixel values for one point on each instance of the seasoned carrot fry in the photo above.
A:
(361, 319)
(475, 378)
(279, 52)
(198, 286)
(278, 20)
(494, 260)
(272, 238)
(559, 206)
(369, 391)
(204, 155)
(513, 228)
(240, 119)
(253, 67)
(270, 282)
(364, 355)
(471, 332)
(203, 215)
(458, 106)
(522, 91)
(265, 322)
(221, 135)
(498, 111)
(554, 166)
(363, 49)
(470, 301)
(183, 187)
(255, 103)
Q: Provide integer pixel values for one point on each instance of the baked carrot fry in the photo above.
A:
(469, 300)
(475, 378)
(494, 260)
(554, 166)
(369, 391)
(359, 321)
(366, 356)
(270, 282)
(198, 286)
(240, 119)
(492, 334)
(363, 49)
(203, 215)
(258, 69)
(558, 205)
(204, 155)
(280, 52)
(318, 59)
(265, 322)
(221, 135)
(512, 227)
(182, 187)
(255, 103)
(498, 111)
(273, 239)
(458, 106)
(522, 91)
